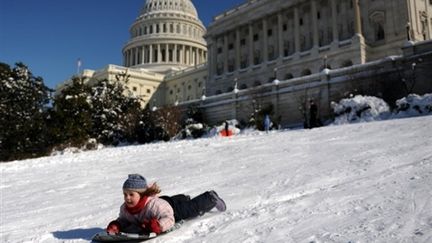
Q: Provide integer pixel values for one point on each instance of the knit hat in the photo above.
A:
(135, 182)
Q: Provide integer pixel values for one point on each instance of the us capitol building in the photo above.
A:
(173, 60)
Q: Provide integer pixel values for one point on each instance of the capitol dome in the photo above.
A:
(167, 35)
(181, 6)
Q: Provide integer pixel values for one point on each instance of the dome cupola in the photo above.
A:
(180, 6)
(167, 35)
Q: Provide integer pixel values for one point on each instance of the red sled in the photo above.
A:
(224, 133)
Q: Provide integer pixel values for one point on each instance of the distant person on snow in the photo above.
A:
(144, 212)
(267, 123)
(313, 115)
(226, 128)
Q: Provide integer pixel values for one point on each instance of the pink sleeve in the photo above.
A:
(164, 213)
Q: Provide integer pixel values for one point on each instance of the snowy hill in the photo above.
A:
(366, 182)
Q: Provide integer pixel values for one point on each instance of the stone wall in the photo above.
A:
(390, 78)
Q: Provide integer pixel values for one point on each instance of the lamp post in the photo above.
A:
(275, 73)
(325, 61)
(276, 84)
(235, 91)
(408, 31)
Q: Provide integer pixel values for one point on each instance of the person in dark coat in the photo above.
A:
(226, 128)
(313, 114)
(267, 123)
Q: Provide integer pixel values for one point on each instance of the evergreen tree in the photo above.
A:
(115, 112)
(71, 122)
(23, 104)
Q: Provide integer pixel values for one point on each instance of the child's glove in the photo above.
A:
(152, 225)
(113, 227)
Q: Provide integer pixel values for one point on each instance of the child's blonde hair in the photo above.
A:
(152, 190)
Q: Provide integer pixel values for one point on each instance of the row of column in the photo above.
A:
(280, 22)
(164, 53)
(156, 28)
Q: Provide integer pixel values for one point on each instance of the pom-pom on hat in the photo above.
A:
(135, 182)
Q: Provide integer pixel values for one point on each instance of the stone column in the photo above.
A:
(167, 53)
(159, 53)
(136, 55)
(357, 18)
(314, 23)
(192, 55)
(175, 53)
(265, 40)
(237, 49)
(198, 56)
(211, 62)
(225, 52)
(251, 46)
(183, 55)
(280, 35)
(143, 54)
(296, 30)
(429, 21)
(187, 53)
(334, 21)
(150, 53)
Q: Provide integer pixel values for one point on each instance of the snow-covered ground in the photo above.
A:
(365, 182)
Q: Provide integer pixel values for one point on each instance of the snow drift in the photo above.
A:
(365, 182)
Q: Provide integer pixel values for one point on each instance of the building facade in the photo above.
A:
(257, 42)
(263, 40)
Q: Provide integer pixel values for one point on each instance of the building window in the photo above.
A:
(256, 37)
(306, 72)
(257, 57)
(231, 64)
(230, 46)
(301, 21)
(288, 76)
(380, 34)
(219, 50)
(243, 62)
(243, 41)
(285, 27)
(269, 32)
(134, 89)
(148, 91)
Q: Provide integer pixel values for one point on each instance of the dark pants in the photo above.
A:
(185, 208)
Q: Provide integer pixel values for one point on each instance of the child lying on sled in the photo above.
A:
(144, 212)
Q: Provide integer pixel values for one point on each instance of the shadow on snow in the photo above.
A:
(76, 234)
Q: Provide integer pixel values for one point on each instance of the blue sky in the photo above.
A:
(50, 35)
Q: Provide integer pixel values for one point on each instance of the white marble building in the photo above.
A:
(257, 42)
(262, 40)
